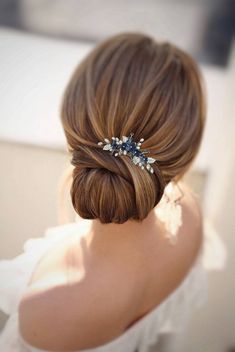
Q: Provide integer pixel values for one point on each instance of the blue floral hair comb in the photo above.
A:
(128, 147)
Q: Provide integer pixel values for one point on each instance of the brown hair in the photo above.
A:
(131, 83)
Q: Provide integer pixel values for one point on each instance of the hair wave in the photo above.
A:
(131, 83)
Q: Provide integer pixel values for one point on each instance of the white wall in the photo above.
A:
(34, 72)
(218, 149)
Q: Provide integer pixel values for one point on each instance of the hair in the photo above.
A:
(131, 83)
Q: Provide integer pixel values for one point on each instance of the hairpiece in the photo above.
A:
(128, 147)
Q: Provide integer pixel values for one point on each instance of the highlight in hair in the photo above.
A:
(130, 82)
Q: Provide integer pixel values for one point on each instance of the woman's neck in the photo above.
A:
(122, 235)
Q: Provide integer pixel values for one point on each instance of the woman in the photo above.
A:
(130, 269)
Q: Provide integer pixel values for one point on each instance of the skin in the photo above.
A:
(95, 285)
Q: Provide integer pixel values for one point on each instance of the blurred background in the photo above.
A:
(41, 42)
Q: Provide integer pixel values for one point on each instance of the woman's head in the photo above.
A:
(131, 83)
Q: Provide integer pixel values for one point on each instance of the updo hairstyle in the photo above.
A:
(131, 83)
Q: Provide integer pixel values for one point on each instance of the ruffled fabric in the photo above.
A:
(15, 273)
(14, 276)
(171, 315)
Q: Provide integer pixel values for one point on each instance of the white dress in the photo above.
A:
(170, 316)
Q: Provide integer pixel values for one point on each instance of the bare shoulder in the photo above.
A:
(105, 301)
(175, 260)
(85, 315)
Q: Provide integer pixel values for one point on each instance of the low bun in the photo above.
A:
(112, 189)
(131, 83)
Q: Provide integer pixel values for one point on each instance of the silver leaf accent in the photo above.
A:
(107, 147)
(151, 160)
(136, 159)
